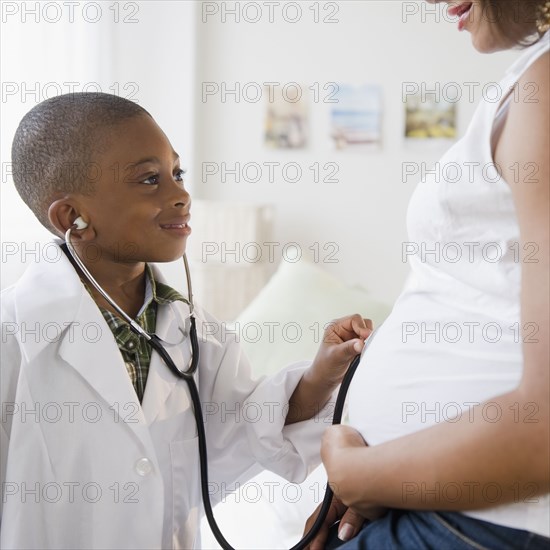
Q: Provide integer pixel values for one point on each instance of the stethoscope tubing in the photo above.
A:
(155, 342)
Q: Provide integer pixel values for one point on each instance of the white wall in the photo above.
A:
(373, 42)
(169, 52)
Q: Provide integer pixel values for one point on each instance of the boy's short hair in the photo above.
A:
(56, 141)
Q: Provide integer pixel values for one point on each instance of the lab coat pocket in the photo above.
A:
(186, 498)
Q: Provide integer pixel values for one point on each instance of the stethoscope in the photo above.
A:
(188, 375)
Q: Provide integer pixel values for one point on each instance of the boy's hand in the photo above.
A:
(343, 339)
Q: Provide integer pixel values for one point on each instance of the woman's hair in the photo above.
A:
(515, 20)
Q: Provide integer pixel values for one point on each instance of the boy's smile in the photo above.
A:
(140, 210)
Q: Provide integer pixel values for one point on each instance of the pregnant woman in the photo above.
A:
(448, 443)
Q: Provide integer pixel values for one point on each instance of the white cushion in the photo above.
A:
(285, 322)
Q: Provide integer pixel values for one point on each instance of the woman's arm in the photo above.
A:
(474, 463)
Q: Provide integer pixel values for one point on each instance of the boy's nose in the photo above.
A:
(182, 199)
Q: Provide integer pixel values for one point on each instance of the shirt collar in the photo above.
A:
(160, 292)
(150, 290)
(154, 291)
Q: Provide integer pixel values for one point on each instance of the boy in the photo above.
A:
(99, 446)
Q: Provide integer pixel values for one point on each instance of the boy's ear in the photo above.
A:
(62, 214)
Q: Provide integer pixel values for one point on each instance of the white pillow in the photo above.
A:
(285, 322)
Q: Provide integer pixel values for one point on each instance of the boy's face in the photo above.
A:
(140, 209)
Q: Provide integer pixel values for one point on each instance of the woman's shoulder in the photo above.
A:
(535, 81)
(525, 137)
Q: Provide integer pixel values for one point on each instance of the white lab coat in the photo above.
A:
(84, 465)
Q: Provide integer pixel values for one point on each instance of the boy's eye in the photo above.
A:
(179, 174)
(152, 180)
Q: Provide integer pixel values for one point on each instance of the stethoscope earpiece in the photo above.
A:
(80, 223)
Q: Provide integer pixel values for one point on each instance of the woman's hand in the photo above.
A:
(350, 523)
(341, 451)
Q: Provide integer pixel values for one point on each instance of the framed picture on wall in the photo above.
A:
(356, 117)
(429, 117)
(287, 117)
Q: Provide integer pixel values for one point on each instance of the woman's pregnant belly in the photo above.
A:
(431, 362)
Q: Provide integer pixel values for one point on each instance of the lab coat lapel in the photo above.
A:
(85, 342)
(94, 354)
(160, 380)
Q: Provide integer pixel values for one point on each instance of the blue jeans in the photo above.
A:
(412, 530)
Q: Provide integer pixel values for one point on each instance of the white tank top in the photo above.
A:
(453, 337)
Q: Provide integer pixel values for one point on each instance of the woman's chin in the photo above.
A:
(487, 43)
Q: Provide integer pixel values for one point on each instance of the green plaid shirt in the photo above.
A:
(135, 351)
